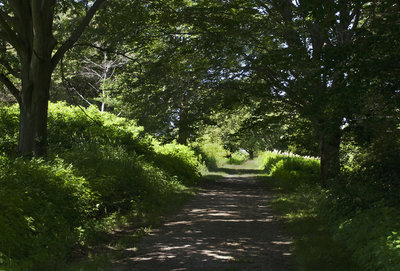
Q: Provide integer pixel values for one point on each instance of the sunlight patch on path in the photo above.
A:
(228, 225)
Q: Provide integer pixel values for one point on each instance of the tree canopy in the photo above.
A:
(145, 96)
(320, 68)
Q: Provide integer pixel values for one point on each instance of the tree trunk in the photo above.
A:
(34, 107)
(251, 154)
(183, 127)
(33, 129)
(329, 151)
(30, 32)
(183, 135)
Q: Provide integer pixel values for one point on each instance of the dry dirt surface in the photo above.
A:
(228, 225)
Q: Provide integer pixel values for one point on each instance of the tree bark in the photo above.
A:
(329, 152)
(251, 154)
(183, 134)
(36, 70)
(33, 129)
(183, 125)
(33, 110)
(30, 32)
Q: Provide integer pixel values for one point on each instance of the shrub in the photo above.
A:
(372, 236)
(178, 160)
(290, 171)
(121, 179)
(9, 129)
(43, 204)
(238, 158)
(212, 154)
(69, 125)
(98, 166)
(360, 213)
(267, 159)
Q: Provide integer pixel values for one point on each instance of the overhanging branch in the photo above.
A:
(8, 34)
(9, 69)
(76, 33)
(108, 50)
(10, 86)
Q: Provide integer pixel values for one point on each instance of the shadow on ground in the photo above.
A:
(228, 225)
(239, 171)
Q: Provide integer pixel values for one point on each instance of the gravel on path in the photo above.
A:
(228, 225)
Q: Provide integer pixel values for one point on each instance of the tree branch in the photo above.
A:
(76, 33)
(8, 67)
(7, 18)
(108, 50)
(10, 86)
(8, 35)
(356, 15)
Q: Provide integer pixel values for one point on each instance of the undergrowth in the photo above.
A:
(333, 228)
(101, 171)
(211, 154)
(237, 158)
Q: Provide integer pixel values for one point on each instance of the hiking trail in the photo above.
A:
(228, 225)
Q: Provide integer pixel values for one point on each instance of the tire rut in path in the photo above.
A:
(228, 225)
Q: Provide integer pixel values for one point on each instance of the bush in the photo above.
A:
(43, 204)
(69, 126)
(266, 160)
(98, 165)
(362, 205)
(290, 171)
(373, 237)
(363, 217)
(121, 180)
(212, 154)
(238, 158)
(361, 214)
(178, 160)
(9, 129)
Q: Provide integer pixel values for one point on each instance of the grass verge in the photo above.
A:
(297, 201)
(314, 245)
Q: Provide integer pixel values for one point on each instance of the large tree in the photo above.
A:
(30, 53)
(312, 65)
(302, 54)
(300, 59)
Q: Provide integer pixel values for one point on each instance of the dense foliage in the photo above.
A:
(43, 205)
(227, 78)
(98, 165)
(365, 221)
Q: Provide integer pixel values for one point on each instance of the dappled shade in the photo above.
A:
(229, 224)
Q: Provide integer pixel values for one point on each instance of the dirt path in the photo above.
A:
(227, 226)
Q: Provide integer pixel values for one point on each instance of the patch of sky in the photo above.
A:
(345, 123)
